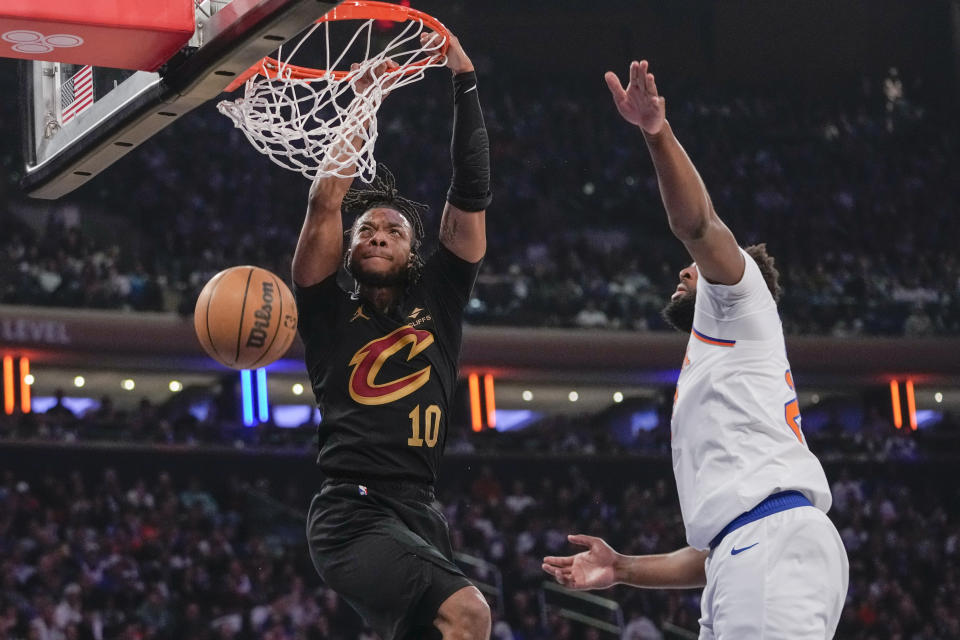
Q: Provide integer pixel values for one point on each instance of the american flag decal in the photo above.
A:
(76, 94)
(363, 489)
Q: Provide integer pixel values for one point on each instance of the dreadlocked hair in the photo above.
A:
(382, 192)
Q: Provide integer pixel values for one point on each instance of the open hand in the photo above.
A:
(590, 569)
(639, 103)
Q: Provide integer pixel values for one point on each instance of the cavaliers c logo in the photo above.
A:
(368, 361)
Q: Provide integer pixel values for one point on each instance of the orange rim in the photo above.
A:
(352, 10)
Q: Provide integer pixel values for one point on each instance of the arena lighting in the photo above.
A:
(24, 385)
(573, 396)
(527, 395)
(938, 397)
(129, 384)
(79, 381)
(175, 386)
(263, 406)
(491, 401)
(476, 420)
(297, 389)
(29, 379)
(911, 406)
(246, 395)
(895, 402)
(8, 403)
(617, 397)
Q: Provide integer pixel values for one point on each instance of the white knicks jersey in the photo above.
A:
(736, 435)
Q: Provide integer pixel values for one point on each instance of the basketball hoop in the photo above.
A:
(319, 122)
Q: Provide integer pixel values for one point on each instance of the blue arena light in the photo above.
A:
(263, 405)
(246, 394)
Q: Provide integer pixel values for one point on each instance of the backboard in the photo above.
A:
(78, 120)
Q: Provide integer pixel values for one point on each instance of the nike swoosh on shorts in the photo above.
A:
(734, 551)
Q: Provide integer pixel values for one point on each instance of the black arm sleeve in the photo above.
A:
(469, 148)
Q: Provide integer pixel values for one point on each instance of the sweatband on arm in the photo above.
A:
(469, 148)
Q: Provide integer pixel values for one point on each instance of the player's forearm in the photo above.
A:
(325, 199)
(682, 569)
(469, 148)
(463, 226)
(684, 194)
(320, 244)
(327, 191)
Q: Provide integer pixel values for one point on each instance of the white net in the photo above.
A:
(327, 125)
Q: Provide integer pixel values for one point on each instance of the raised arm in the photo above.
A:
(320, 246)
(463, 226)
(600, 567)
(689, 209)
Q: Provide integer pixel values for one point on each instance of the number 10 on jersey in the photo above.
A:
(431, 423)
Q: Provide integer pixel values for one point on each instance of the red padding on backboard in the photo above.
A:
(135, 34)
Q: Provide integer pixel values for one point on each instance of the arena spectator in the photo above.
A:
(859, 213)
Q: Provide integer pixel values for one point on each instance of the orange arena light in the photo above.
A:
(8, 399)
(490, 397)
(24, 387)
(895, 401)
(476, 420)
(911, 406)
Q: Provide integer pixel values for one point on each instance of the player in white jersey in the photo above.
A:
(753, 496)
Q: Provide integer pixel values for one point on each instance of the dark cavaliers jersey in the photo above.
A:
(385, 383)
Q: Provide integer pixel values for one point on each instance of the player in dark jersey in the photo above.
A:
(383, 362)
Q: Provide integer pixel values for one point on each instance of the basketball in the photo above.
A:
(245, 317)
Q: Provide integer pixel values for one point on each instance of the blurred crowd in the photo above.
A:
(838, 430)
(148, 559)
(150, 424)
(97, 556)
(852, 193)
(903, 544)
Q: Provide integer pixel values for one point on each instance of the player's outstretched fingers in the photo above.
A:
(560, 575)
(636, 74)
(556, 561)
(651, 85)
(582, 540)
(613, 83)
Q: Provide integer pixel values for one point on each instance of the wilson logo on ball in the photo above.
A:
(258, 334)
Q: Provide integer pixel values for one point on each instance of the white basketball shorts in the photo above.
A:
(783, 577)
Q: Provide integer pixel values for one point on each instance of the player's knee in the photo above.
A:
(476, 617)
(468, 617)
(473, 621)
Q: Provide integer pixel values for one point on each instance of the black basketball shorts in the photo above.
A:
(385, 549)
